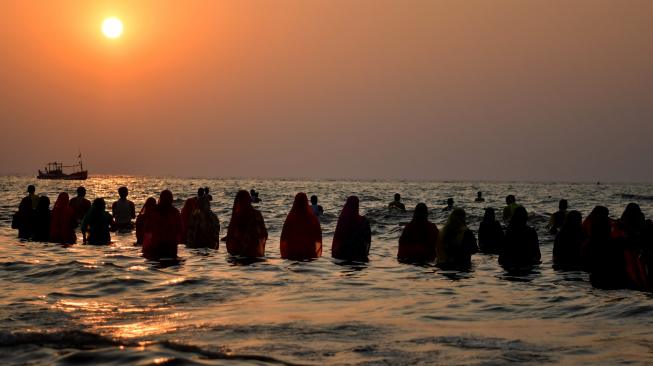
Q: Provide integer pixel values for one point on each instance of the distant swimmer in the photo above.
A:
(254, 196)
(557, 219)
(80, 204)
(419, 238)
(164, 229)
(353, 235)
(207, 194)
(449, 205)
(396, 204)
(301, 236)
(509, 210)
(317, 209)
(246, 233)
(123, 211)
(64, 221)
(479, 197)
(97, 223)
(456, 243)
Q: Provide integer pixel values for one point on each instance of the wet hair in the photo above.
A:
(314, 199)
(490, 215)
(449, 201)
(200, 192)
(99, 204)
(397, 197)
(479, 194)
(510, 199)
(165, 198)
(31, 188)
(81, 191)
(123, 192)
(563, 204)
(519, 217)
(421, 212)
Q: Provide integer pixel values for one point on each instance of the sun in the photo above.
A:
(112, 27)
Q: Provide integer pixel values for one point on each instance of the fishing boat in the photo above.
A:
(55, 171)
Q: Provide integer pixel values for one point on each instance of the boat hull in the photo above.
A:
(72, 176)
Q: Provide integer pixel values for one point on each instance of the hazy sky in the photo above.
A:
(490, 90)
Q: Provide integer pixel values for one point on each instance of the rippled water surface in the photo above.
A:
(107, 305)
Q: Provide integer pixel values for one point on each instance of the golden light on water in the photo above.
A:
(112, 27)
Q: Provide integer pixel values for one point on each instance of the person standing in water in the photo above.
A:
(80, 204)
(558, 219)
(123, 211)
(24, 218)
(165, 228)
(456, 243)
(97, 222)
(396, 204)
(203, 227)
(490, 233)
(317, 209)
(511, 206)
(301, 236)
(449, 206)
(42, 219)
(353, 235)
(419, 238)
(64, 221)
(479, 197)
(246, 234)
(521, 245)
(190, 206)
(141, 219)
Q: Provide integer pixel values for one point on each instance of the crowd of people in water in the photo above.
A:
(618, 253)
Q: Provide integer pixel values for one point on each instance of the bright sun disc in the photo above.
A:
(112, 27)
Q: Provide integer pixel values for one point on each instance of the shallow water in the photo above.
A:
(107, 305)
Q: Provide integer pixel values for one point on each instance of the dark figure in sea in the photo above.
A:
(146, 211)
(207, 194)
(479, 197)
(317, 209)
(124, 211)
(24, 219)
(628, 233)
(419, 238)
(568, 244)
(521, 246)
(97, 223)
(187, 210)
(558, 218)
(353, 235)
(490, 233)
(456, 243)
(42, 219)
(203, 227)
(511, 206)
(254, 196)
(64, 221)
(246, 234)
(449, 205)
(31, 194)
(605, 259)
(80, 204)
(164, 225)
(301, 236)
(396, 204)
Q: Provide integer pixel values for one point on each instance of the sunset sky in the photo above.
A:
(478, 90)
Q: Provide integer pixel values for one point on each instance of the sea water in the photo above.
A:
(108, 305)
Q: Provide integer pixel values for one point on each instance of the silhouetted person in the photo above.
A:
(146, 211)
(396, 204)
(24, 218)
(511, 206)
(190, 206)
(80, 204)
(490, 233)
(64, 221)
(479, 197)
(449, 205)
(165, 227)
(521, 245)
(254, 196)
(301, 236)
(31, 193)
(353, 235)
(456, 243)
(568, 244)
(203, 227)
(124, 211)
(317, 209)
(419, 238)
(246, 234)
(628, 234)
(42, 219)
(606, 259)
(207, 194)
(97, 223)
(558, 218)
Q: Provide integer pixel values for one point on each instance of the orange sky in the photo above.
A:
(501, 90)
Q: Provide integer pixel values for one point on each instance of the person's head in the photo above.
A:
(242, 201)
(206, 191)
(632, 217)
(81, 192)
(397, 197)
(165, 198)
(99, 204)
(519, 217)
(252, 193)
(31, 189)
(510, 199)
(563, 204)
(313, 200)
(123, 192)
(450, 202)
(490, 215)
(479, 194)
(300, 203)
(421, 212)
(200, 192)
(43, 204)
(573, 220)
(599, 223)
(457, 218)
(62, 199)
(149, 204)
(204, 204)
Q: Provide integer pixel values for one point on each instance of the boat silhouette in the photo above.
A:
(54, 170)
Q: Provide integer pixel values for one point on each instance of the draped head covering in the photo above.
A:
(150, 203)
(301, 237)
(454, 230)
(246, 234)
(62, 226)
